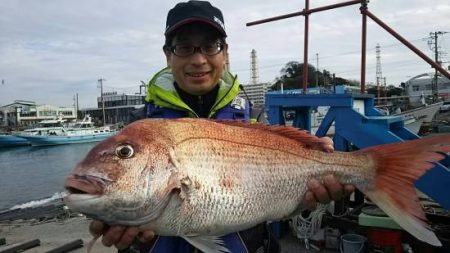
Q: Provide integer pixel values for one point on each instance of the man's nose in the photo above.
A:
(198, 58)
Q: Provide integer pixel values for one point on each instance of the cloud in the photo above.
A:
(52, 49)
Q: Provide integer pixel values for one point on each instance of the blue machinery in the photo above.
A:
(365, 128)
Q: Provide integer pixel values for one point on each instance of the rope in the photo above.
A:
(306, 227)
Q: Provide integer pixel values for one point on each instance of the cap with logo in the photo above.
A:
(194, 11)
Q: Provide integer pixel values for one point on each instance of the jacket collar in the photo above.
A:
(161, 92)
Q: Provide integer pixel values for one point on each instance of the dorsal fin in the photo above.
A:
(310, 141)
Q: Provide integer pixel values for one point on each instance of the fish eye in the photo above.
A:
(124, 151)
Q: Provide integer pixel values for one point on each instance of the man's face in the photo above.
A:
(196, 74)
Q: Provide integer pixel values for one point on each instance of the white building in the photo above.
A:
(421, 86)
(26, 113)
(256, 93)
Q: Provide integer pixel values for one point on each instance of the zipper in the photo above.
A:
(188, 108)
(223, 97)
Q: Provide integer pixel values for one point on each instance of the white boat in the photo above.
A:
(44, 127)
(412, 123)
(425, 113)
(81, 132)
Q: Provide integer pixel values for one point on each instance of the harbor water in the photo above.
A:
(33, 176)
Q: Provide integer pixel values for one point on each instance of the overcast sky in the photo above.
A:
(51, 50)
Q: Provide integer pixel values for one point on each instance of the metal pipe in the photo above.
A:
(334, 6)
(304, 12)
(22, 247)
(305, 50)
(406, 43)
(67, 247)
(363, 48)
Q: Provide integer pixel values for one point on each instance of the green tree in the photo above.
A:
(291, 76)
(390, 91)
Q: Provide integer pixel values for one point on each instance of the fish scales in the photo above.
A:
(250, 179)
(193, 177)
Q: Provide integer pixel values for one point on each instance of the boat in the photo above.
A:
(80, 132)
(425, 113)
(44, 127)
(412, 123)
(8, 140)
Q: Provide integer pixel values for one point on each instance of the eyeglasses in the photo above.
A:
(184, 50)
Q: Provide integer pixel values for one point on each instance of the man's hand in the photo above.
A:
(119, 236)
(330, 190)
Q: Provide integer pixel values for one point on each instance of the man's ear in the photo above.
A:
(225, 52)
(168, 54)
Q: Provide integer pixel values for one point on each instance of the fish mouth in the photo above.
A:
(85, 184)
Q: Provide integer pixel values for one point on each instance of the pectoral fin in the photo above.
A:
(210, 244)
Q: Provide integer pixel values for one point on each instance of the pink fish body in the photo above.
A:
(201, 179)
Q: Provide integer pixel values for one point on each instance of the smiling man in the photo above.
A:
(197, 84)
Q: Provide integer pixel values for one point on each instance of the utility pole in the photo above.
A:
(433, 43)
(317, 70)
(100, 81)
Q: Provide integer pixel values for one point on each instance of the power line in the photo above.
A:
(281, 64)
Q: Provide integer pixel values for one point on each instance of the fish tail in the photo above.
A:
(397, 168)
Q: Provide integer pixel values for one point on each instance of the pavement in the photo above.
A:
(57, 232)
(51, 233)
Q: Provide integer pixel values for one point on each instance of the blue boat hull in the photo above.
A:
(38, 140)
(7, 141)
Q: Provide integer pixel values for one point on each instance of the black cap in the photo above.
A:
(194, 11)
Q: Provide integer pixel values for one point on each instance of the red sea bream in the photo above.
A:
(201, 179)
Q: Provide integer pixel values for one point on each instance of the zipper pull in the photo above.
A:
(200, 100)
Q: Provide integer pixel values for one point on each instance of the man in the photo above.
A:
(197, 84)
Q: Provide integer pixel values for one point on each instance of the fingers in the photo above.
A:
(146, 236)
(334, 188)
(310, 201)
(120, 236)
(96, 228)
(349, 189)
(319, 191)
(127, 237)
(330, 190)
(113, 235)
(327, 145)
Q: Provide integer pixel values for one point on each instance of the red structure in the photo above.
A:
(365, 13)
